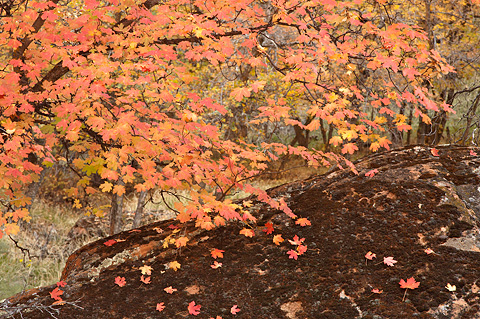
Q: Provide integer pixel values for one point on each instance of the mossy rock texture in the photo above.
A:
(414, 201)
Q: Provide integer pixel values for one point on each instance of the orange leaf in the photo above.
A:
(217, 253)
(370, 255)
(247, 232)
(180, 242)
(349, 148)
(175, 265)
(277, 239)
(170, 290)
(409, 284)
(303, 222)
(239, 93)
(145, 280)
(434, 151)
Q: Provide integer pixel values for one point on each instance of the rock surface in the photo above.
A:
(415, 201)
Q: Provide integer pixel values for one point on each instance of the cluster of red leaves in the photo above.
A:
(56, 293)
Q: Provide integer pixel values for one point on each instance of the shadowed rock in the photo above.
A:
(415, 201)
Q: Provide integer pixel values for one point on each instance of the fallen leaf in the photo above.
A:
(110, 242)
(292, 254)
(268, 228)
(451, 288)
(377, 291)
(56, 293)
(429, 251)
(175, 265)
(158, 230)
(170, 290)
(234, 310)
(296, 240)
(120, 281)
(61, 284)
(247, 232)
(193, 309)
(370, 255)
(146, 270)
(217, 253)
(301, 249)
(180, 242)
(160, 306)
(303, 222)
(277, 239)
(371, 173)
(409, 284)
(216, 265)
(472, 153)
(145, 280)
(389, 261)
(434, 151)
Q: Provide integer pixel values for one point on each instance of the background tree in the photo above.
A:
(110, 89)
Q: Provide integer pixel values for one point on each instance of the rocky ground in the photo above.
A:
(413, 202)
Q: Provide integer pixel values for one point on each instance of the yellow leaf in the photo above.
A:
(146, 270)
(76, 204)
(106, 187)
(175, 265)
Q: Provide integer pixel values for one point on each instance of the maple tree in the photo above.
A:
(109, 89)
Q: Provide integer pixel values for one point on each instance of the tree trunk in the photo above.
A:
(116, 212)
(139, 211)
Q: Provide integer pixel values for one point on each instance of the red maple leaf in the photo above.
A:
(434, 151)
(56, 293)
(268, 228)
(292, 254)
(193, 309)
(120, 281)
(371, 173)
(110, 242)
(61, 284)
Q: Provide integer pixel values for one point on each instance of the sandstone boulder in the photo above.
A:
(413, 201)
